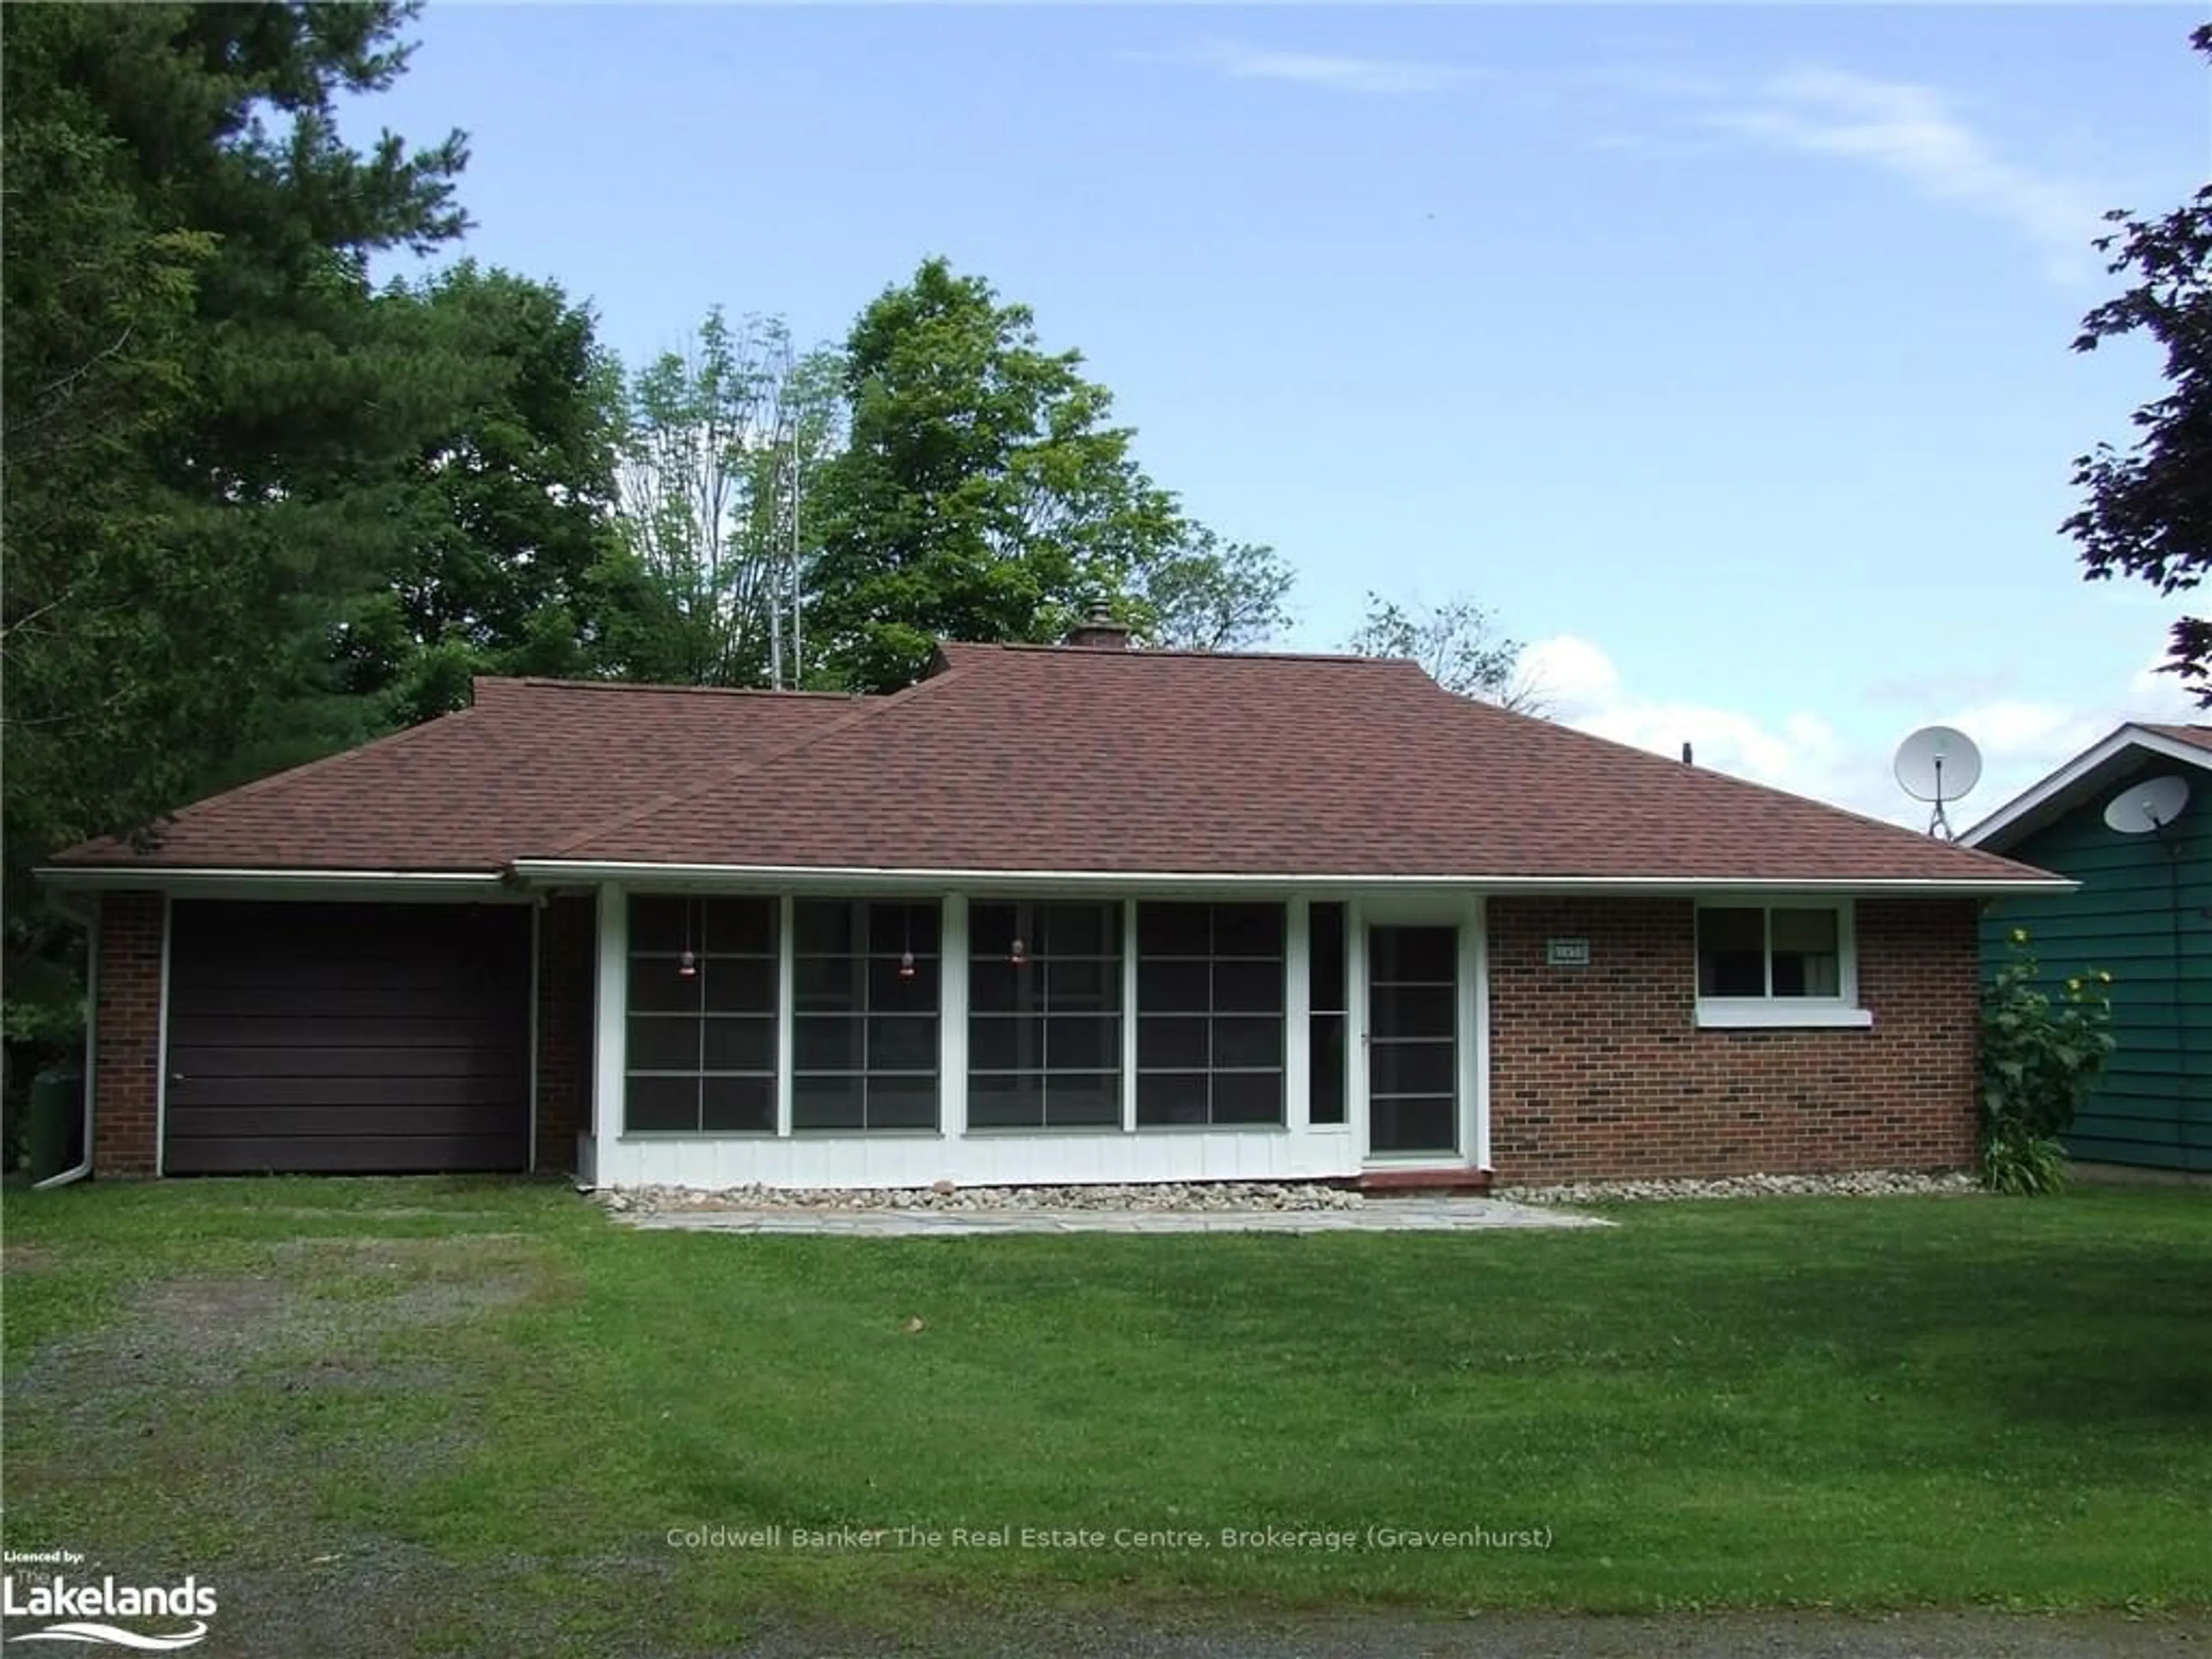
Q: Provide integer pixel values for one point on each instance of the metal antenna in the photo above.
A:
(797, 585)
(775, 608)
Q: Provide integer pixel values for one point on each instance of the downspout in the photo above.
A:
(68, 907)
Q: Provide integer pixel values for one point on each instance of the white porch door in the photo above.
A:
(1416, 1105)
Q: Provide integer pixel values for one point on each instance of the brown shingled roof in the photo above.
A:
(467, 792)
(2199, 735)
(1028, 758)
(1045, 759)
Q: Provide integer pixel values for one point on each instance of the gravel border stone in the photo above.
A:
(1202, 1196)
(1244, 1197)
(1401, 1215)
(1857, 1183)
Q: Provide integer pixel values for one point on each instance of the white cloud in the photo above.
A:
(1809, 754)
(2021, 744)
(2162, 698)
(1569, 676)
(1578, 685)
(1373, 76)
(1912, 133)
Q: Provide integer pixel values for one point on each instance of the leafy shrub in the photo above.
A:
(2040, 1057)
(2027, 1166)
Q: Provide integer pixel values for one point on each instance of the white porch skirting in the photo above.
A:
(986, 1160)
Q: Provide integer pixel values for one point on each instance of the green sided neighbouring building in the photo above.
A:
(2131, 820)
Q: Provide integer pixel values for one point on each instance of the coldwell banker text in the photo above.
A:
(1140, 1540)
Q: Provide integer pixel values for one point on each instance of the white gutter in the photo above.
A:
(83, 1166)
(189, 881)
(431, 885)
(801, 877)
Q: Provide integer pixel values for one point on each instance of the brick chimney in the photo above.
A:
(1099, 632)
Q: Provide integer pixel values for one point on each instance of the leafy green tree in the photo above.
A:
(96, 376)
(205, 409)
(982, 494)
(2148, 510)
(1206, 594)
(508, 510)
(722, 440)
(1455, 641)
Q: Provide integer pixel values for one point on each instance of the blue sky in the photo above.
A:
(1722, 352)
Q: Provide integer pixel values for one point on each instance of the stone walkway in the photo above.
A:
(1392, 1215)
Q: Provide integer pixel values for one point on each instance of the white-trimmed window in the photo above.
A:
(702, 1037)
(864, 976)
(1787, 962)
(1210, 998)
(1044, 1015)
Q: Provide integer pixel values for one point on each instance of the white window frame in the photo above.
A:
(1125, 912)
(1133, 964)
(1769, 1011)
(788, 1016)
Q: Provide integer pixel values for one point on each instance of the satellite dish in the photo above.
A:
(2149, 807)
(1941, 764)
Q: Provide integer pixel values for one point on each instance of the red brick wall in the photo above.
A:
(565, 970)
(1599, 1071)
(127, 1036)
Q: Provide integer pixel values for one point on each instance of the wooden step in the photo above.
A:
(1382, 1183)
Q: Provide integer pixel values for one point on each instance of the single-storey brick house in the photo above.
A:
(1068, 914)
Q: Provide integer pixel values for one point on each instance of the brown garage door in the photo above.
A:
(361, 1037)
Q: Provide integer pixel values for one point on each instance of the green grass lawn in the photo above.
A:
(369, 1387)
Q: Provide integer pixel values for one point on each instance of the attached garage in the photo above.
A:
(362, 1038)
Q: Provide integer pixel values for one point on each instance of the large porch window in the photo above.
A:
(1209, 1014)
(701, 1015)
(1044, 1016)
(799, 1015)
(865, 979)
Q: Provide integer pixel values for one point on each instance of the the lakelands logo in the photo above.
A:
(82, 1611)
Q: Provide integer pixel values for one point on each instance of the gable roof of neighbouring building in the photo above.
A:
(2088, 774)
(1042, 760)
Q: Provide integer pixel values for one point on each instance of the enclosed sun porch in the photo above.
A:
(902, 1038)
